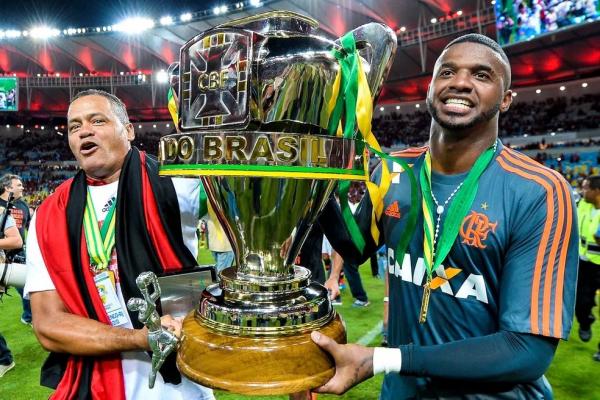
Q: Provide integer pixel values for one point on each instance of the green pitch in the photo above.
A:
(573, 374)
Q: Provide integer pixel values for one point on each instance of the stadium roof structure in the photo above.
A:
(113, 60)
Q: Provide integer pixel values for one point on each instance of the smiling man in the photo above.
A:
(485, 286)
(87, 244)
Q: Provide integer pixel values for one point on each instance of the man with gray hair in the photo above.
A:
(88, 243)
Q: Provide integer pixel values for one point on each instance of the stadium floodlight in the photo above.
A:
(255, 3)
(381, 109)
(43, 32)
(397, 107)
(459, 13)
(167, 20)
(538, 91)
(562, 88)
(433, 20)
(162, 76)
(57, 75)
(185, 17)
(13, 34)
(417, 105)
(81, 74)
(139, 126)
(217, 10)
(224, 9)
(514, 94)
(168, 125)
(402, 29)
(154, 126)
(134, 25)
(2, 34)
(584, 85)
(7, 125)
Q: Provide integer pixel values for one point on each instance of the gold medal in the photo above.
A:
(425, 301)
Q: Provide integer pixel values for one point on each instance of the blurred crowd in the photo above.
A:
(42, 157)
(557, 115)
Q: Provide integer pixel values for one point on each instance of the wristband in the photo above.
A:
(386, 360)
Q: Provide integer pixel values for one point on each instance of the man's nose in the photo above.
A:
(461, 81)
(86, 129)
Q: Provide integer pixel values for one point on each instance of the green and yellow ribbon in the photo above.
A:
(457, 211)
(351, 97)
(172, 106)
(100, 241)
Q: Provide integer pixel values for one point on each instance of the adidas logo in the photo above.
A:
(393, 210)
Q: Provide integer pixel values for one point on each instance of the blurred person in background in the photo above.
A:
(19, 210)
(10, 239)
(588, 280)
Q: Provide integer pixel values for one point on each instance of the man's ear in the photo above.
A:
(507, 99)
(130, 132)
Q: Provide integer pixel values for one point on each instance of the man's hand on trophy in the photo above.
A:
(353, 364)
(171, 324)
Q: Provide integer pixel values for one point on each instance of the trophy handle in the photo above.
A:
(377, 45)
(161, 341)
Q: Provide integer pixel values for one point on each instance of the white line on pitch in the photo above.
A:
(372, 334)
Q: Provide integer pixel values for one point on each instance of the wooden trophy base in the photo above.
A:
(259, 366)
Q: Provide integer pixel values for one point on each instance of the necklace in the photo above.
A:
(441, 208)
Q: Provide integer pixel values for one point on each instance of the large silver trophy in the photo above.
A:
(255, 100)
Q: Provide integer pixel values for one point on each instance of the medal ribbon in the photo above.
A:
(456, 212)
(352, 97)
(100, 241)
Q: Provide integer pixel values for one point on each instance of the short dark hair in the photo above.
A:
(594, 181)
(118, 107)
(6, 180)
(490, 43)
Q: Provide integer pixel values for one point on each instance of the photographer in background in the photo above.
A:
(9, 240)
(19, 211)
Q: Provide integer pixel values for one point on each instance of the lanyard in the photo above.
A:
(100, 241)
(456, 213)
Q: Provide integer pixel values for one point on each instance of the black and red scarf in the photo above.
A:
(148, 237)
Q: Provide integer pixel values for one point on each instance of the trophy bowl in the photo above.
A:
(255, 101)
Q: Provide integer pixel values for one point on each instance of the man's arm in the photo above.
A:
(333, 282)
(12, 239)
(507, 357)
(60, 331)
